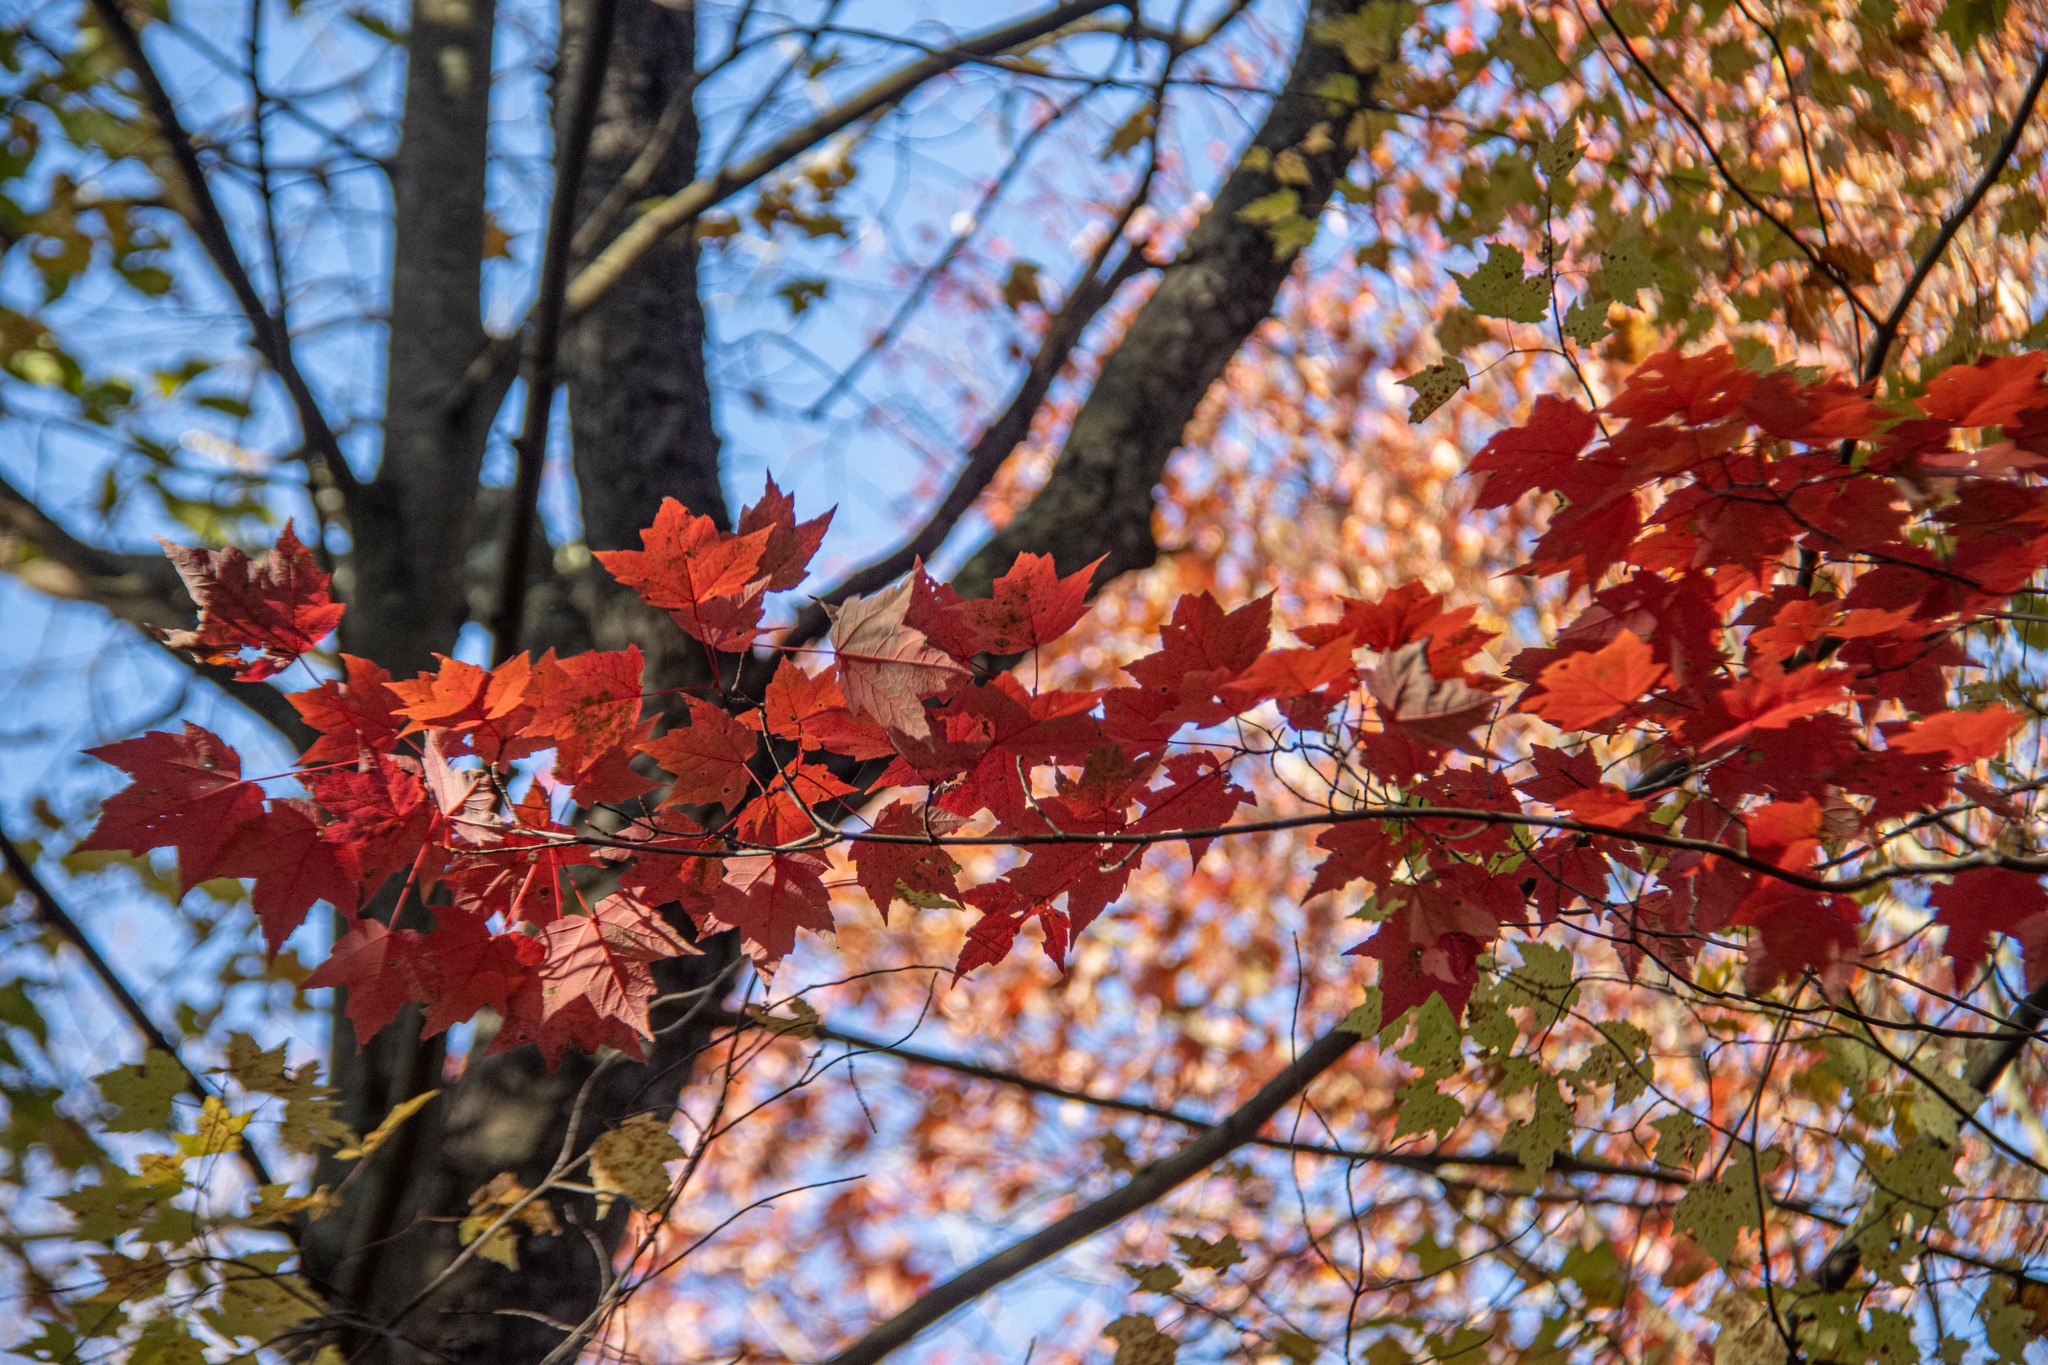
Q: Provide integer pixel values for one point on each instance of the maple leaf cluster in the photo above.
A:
(1772, 573)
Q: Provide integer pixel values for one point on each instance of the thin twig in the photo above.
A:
(53, 913)
(544, 342)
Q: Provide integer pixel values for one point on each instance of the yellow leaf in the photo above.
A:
(399, 1114)
(219, 1131)
(630, 1160)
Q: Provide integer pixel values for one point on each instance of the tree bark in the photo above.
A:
(1099, 498)
(641, 425)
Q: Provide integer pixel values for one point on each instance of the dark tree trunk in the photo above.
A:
(642, 429)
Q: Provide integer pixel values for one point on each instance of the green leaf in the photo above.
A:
(1680, 1140)
(2005, 1323)
(1561, 153)
(1154, 1279)
(1435, 385)
(1269, 209)
(1422, 1108)
(1598, 1274)
(1586, 321)
(1436, 1047)
(1220, 1254)
(1715, 1212)
(1625, 268)
(1364, 1019)
(1969, 22)
(1132, 131)
(142, 1092)
(1498, 289)
(1298, 1347)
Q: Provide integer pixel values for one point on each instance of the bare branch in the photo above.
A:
(203, 213)
(544, 340)
(685, 205)
(1888, 330)
(52, 913)
(1148, 1186)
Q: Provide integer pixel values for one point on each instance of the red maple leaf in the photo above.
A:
(602, 959)
(1959, 736)
(809, 709)
(1203, 649)
(378, 967)
(485, 710)
(293, 866)
(1032, 605)
(1989, 393)
(357, 713)
(787, 555)
(1406, 614)
(709, 758)
(886, 870)
(1798, 931)
(468, 968)
(886, 667)
(768, 897)
(1981, 902)
(1586, 690)
(587, 704)
(1413, 968)
(188, 794)
(990, 938)
(379, 811)
(710, 582)
(1416, 704)
(277, 606)
(1535, 455)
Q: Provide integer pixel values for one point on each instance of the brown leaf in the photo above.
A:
(1441, 710)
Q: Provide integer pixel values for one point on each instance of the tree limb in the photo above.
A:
(203, 213)
(52, 913)
(685, 205)
(1426, 1162)
(544, 339)
(1888, 330)
(1099, 499)
(1148, 1186)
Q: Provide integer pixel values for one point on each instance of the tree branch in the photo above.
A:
(52, 913)
(685, 205)
(1148, 1186)
(143, 590)
(986, 457)
(1888, 330)
(203, 213)
(544, 340)
(1098, 501)
(1426, 1162)
(1987, 1064)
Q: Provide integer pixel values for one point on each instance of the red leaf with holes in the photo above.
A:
(710, 582)
(276, 608)
(709, 758)
(188, 794)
